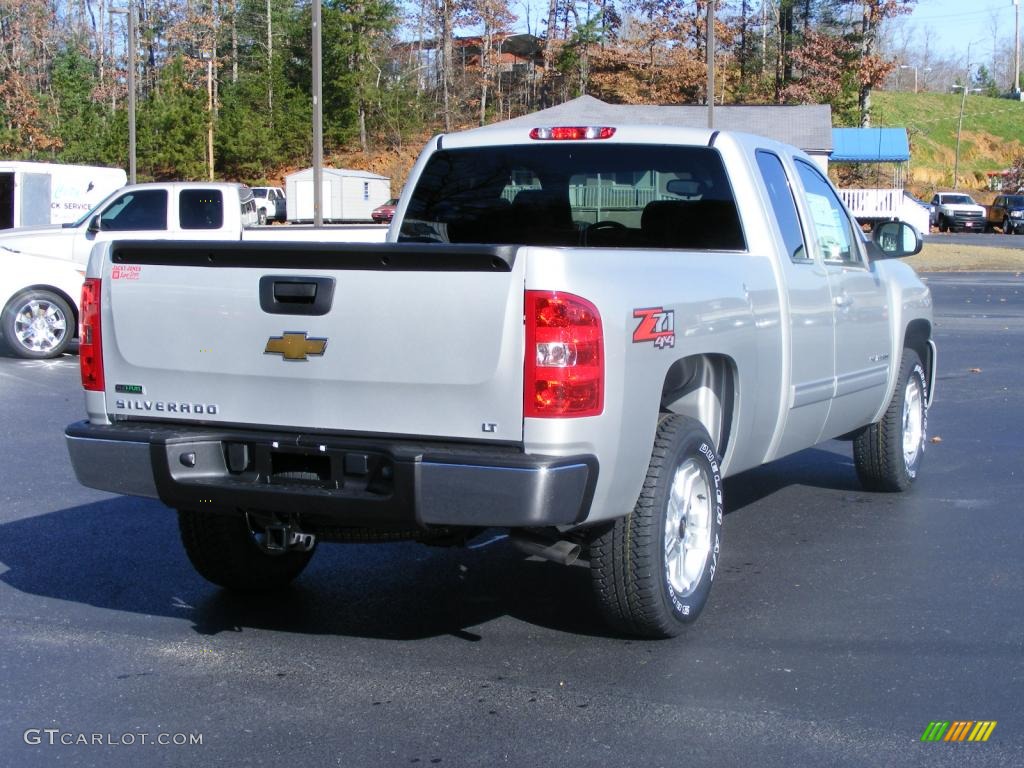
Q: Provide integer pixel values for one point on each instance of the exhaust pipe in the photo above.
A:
(562, 552)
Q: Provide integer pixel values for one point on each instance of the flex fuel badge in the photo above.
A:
(657, 325)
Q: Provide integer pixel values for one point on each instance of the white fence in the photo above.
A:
(885, 204)
(598, 196)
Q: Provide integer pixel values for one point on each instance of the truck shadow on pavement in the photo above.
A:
(124, 554)
(829, 467)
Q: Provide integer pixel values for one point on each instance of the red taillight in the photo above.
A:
(572, 133)
(90, 348)
(564, 371)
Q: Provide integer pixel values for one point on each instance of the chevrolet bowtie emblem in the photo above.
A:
(294, 346)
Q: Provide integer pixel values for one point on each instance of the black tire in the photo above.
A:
(223, 551)
(261, 216)
(1007, 227)
(38, 324)
(629, 559)
(879, 454)
(943, 226)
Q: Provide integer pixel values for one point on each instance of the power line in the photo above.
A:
(963, 14)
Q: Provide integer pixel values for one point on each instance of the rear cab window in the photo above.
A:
(201, 209)
(621, 196)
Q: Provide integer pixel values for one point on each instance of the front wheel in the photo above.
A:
(888, 454)
(1007, 227)
(261, 216)
(224, 550)
(652, 570)
(943, 225)
(38, 324)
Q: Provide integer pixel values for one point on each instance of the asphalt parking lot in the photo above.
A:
(842, 622)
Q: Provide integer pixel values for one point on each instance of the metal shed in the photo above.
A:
(347, 195)
(807, 126)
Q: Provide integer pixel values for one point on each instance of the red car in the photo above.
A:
(383, 214)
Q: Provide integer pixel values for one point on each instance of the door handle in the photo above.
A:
(843, 301)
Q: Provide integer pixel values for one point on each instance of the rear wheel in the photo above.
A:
(38, 324)
(652, 570)
(224, 550)
(888, 454)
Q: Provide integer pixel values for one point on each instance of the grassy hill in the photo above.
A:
(991, 139)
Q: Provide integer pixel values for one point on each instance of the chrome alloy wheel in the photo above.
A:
(913, 421)
(40, 325)
(687, 528)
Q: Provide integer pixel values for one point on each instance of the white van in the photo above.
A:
(33, 194)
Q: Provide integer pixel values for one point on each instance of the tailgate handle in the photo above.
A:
(287, 295)
(299, 293)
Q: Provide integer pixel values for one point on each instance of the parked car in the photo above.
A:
(383, 214)
(39, 299)
(956, 211)
(167, 211)
(270, 204)
(1007, 213)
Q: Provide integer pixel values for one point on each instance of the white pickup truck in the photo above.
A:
(955, 210)
(271, 204)
(38, 315)
(574, 333)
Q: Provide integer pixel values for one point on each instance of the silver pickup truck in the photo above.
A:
(573, 334)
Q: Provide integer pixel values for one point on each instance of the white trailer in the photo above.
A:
(346, 195)
(33, 194)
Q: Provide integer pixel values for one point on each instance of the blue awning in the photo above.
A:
(870, 145)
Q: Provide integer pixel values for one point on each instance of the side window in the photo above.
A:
(201, 209)
(783, 205)
(140, 209)
(833, 229)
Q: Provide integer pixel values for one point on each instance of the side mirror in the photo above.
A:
(896, 239)
(94, 225)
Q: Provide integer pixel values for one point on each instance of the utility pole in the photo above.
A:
(209, 115)
(960, 121)
(959, 127)
(318, 117)
(1015, 90)
(711, 64)
(130, 13)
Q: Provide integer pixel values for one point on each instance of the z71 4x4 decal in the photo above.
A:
(657, 325)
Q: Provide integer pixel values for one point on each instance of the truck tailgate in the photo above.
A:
(412, 340)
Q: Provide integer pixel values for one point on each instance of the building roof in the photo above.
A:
(347, 173)
(870, 145)
(808, 127)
